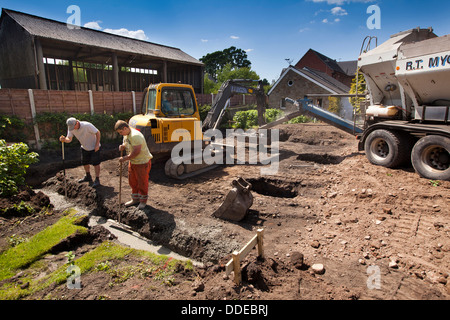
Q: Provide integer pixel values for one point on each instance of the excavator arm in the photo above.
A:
(226, 91)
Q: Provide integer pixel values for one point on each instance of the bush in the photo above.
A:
(273, 114)
(249, 119)
(203, 110)
(14, 161)
(11, 128)
(245, 119)
(300, 119)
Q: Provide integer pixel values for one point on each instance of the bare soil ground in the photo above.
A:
(379, 233)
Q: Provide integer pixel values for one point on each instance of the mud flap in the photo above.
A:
(237, 202)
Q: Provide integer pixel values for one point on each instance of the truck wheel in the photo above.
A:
(430, 157)
(387, 148)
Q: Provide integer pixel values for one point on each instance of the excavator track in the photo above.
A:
(183, 170)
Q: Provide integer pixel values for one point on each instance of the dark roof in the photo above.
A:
(320, 78)
(349, 67)
(332, 64)
(55, 30)
(327, 80)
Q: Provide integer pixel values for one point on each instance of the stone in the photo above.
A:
(297, 259)
(318, 268)
(315, 244)
(198, 285)
(393, 264)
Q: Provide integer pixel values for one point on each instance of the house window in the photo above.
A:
(290, 83)
(283, 104)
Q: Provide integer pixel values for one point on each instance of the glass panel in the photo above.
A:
(151, 100)
(177, 102)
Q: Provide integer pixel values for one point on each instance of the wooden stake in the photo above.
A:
(260, 234)
(235, 263)
(237, 268)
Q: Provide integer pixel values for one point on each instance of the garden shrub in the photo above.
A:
(14, 161)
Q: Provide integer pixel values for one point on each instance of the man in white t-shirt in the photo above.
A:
(89, 137)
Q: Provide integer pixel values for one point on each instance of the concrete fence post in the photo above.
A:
(33, 116)
(91, 102)
(133, 94)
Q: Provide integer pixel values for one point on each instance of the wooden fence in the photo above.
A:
(26, 103)
(23, 103)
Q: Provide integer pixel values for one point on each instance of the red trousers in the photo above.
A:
(138, 175)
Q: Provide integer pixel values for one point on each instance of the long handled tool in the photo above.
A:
(120, 184)
(64, 170)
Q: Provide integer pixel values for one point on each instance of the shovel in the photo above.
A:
(119, 225)
(120, 184)
(64, 170)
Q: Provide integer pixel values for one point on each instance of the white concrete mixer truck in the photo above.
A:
(408, 81)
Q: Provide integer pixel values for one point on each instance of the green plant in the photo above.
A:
(249, 118)
(14, 161)
(103, 266)
(11, 128)
(245, 119)
(356, 102)
(70, 258)
(203, 110)
(15, 240)
(22, 209)
(435, 183)
(334, 105)
(300, 119)
(273, 114)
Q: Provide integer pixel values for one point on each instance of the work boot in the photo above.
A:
(87, 178)
(96, 183)
(142, 205)
(131, 203)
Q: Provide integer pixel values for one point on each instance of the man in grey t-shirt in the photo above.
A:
(89, 137)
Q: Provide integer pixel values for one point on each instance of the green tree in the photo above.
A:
(209, 85)
(216, 61)
(229, 72)
(334, 105)
(356, 103)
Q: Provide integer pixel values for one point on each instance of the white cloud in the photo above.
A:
(234, 37)
(249, 50)
(325, 21)
(93, 25)
(338, 11)
(303, 30)
(341, 2)
(204, 40)
(138, 34)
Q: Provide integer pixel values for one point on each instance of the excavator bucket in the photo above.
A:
(237, 202)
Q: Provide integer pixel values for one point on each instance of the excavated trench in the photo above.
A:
(204, 242)
(275, 187)
(320, 158)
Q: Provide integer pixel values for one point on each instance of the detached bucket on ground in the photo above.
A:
(237, 202)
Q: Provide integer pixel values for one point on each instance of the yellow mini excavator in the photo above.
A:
(169, 107)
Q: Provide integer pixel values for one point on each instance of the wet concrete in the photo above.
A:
(125, 235)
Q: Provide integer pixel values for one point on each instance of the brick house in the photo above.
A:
(342, 71)
(314, 74)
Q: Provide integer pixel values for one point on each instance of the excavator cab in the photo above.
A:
(167, 107)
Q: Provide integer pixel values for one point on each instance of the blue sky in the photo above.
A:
(270, 31)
